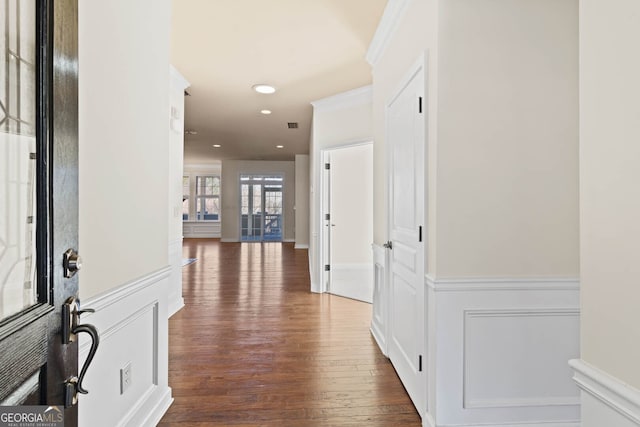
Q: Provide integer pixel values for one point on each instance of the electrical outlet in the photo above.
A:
(125, 378)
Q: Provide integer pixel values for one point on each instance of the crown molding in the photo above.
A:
(178, 79)
(393, 12)
(352, 98)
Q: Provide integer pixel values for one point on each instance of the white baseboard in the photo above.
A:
(288, 240)
(175, 306)
(500, 349)
(133, 327)
(301, 246)
(606, 401)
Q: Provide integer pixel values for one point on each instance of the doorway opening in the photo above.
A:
(261, 201)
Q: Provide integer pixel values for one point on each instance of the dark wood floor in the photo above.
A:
(253, 347)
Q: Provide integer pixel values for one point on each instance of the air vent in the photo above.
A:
(292, 125)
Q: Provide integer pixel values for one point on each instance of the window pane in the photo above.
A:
(18, 288)
(257, 199)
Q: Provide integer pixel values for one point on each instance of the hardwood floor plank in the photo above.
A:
(254, 347)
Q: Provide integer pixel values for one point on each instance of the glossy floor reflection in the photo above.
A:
(253, 347)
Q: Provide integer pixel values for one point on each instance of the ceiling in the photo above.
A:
(307, 49)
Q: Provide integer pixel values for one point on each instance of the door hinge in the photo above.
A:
(420, 234)
(420, 363)
(327, 267)
(419, 104)
(327, 166)
(327, 216)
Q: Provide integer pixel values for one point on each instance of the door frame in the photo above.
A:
(324, 243)
(420, 65)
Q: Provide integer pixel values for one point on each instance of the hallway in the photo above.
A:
(254, 347)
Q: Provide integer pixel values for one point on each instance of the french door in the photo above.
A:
(39, 311)
(261, 200)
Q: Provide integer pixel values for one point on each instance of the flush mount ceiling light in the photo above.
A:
(264, 88)
(267, 112)
(217, 145)
(279, 146)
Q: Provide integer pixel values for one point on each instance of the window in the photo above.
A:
(185, 198)
(208, 198)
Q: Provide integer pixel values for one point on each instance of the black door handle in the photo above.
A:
(71, 327)
(95, 341)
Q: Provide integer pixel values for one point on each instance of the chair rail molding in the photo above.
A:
(605, 399)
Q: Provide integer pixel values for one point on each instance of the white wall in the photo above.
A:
(507, 160)
(302, 201)
(231, 171)
(609, 203)
(124, 142)
(124, 118)
(338, 120)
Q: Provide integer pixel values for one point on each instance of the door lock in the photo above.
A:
(388, 244)
(71, 263)
(71, 327)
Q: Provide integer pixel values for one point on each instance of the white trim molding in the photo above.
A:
(500, 348)
(351, 98)
(389, 22)
(379, 315)
(301, 246)
(606, 400)
(502, 284)
(133, 327)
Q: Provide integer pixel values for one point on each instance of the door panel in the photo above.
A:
(351, 222)
(39, 101)
(405, 136)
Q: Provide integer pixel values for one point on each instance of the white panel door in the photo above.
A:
(406, 139)
(351, 222)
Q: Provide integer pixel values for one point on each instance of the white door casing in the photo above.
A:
(406, 131)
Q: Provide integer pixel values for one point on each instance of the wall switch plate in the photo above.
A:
(125, 378)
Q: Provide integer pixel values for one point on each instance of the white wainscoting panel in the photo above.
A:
(606, 401)
(501, 349)
(133, 326)
(379, 319)
(201, 229)
(175, 299)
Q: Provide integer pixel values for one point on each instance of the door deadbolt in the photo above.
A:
(71, 262)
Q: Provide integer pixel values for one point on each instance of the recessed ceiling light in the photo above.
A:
(279, 146)
(265, 111)
(263, 88)
(217, 145)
